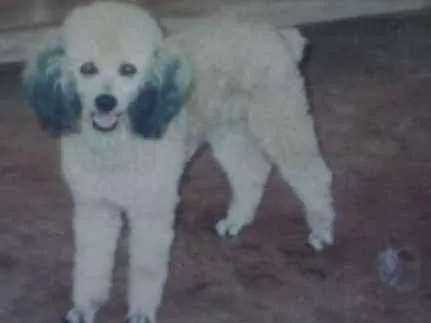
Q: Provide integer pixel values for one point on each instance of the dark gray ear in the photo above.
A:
(52, 92)
(163, 94)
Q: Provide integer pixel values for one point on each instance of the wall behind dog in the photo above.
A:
(24, 24)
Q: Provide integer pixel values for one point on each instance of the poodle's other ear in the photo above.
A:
(295, 42)
(163, 94)
(52, 92)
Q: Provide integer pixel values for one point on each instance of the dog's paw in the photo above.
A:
(137, 318)
(229, 227)
(73, 316)
(321, 237)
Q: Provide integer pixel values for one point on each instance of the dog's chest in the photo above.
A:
(125, 172)
(121, 188)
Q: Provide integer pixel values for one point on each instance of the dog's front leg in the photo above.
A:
(150, 243)
(97, 227)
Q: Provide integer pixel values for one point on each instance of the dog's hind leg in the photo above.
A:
(311, 180)
(285, 132)
(97, 228)
(246, 169)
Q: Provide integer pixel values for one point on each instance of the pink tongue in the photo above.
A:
(105, 121)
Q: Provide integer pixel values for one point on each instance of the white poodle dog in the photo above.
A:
(131, 106)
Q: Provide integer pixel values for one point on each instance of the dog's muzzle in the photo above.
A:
(104, 118)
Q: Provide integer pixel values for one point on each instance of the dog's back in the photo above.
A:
(236, 62)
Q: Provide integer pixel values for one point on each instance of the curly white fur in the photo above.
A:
(239, 89)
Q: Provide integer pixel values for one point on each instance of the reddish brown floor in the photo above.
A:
(370, 85)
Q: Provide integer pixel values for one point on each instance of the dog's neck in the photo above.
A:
(108, 150)
(122, 150)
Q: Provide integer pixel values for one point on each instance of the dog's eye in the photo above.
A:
(88, 69)
(127, 69)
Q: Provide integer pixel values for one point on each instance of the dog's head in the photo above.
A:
(107, 70)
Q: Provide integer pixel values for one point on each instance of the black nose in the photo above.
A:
(106, 102)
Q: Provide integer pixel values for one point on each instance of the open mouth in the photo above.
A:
(104, 122)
